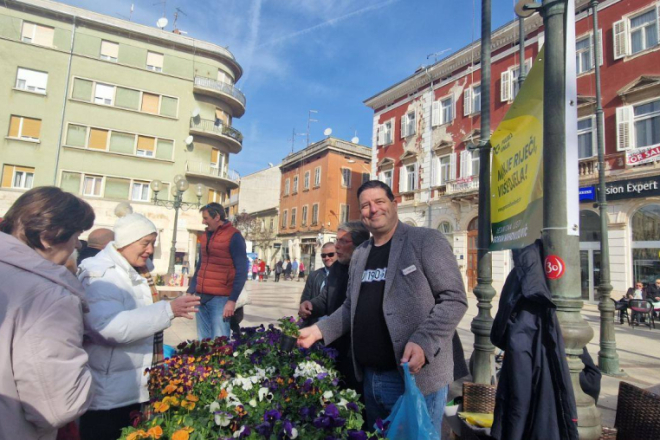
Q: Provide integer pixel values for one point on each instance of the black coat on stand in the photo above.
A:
(535, 399)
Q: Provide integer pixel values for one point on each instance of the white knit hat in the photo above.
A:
(131, 227)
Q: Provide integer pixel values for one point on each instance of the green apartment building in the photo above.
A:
(101, 107)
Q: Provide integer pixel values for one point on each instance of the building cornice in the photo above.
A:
(331, 144)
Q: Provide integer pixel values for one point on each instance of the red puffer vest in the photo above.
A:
(216, 274)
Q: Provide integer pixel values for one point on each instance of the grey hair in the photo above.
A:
(359, 232)
(327, 244)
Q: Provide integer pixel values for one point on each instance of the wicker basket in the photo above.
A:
(479, 398)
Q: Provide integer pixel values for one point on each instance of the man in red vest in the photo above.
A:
(221, 274)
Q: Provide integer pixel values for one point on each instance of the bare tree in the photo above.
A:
(247, 224)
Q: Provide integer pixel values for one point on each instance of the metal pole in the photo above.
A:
(521, 47)
(556, 240)
(483, 322)
(177, 205)
(608, 359)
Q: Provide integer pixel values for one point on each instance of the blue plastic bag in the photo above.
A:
(168, 351)
(409, 419)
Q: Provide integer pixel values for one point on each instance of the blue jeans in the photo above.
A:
(210, 323)
(383, 388)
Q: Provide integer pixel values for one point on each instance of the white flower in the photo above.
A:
(253, 403)
(328, 395)
(263, 392)
(239, 432)
(342, 403)
(223, 419)
(294, 433)
(215, 406)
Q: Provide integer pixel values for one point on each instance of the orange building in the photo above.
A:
(318, 192)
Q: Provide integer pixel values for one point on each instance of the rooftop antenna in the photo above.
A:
(293, 138)
(176, 17)
(435, 55)
(310, 120)
(130, 15)
(164, 3)
(355, 138)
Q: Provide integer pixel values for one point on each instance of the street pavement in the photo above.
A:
(638, 347)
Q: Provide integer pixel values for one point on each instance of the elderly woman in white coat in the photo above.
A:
(124, 326)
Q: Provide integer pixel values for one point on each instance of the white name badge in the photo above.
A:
(409, 269)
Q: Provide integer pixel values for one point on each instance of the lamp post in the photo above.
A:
(608, 359)
(180, 186)
(483, 322)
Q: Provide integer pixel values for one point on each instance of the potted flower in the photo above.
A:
(290, 332)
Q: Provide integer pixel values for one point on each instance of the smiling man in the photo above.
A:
(405, 298)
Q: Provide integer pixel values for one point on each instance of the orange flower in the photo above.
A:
(192, 398)
(161, 407)
(223, 394)
(191, 360)
(171, 400)
(155, 432)
(136, 435)
(169, 389)
(188, 405)
(181, 434)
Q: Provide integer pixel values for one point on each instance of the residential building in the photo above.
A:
(101, 106)
(423, 124)
(259, 197)
(318, 192)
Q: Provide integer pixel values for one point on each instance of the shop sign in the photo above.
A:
(643, 155)
(633, 188)
(587, 194)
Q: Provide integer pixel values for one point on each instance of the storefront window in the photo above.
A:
(448, 230)
(589, 226)
(646, 244)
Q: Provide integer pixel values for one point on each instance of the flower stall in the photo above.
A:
(249, 387)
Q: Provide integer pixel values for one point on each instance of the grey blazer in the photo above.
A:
(424, 302)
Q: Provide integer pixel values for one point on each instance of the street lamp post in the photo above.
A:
(180, 186)
(557, 242)
(608, 359)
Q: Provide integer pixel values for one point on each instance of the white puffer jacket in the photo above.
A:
(120, 328)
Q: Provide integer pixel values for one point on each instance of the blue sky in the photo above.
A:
(324, 55)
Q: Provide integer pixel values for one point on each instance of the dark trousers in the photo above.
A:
(106, 424)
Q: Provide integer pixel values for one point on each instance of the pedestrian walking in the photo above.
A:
(301, 271)
(255, 269)
(316, 281)
(262, 270)
(278, 270)
(287, 269)
(45, 380)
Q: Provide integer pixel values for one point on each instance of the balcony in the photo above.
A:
(207, 170)
(464, 186)
(588, 168)
(217, 130)
(228, 93)
(233, 200)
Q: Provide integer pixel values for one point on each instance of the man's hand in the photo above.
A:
(308, 336)
(184, 306)
(228, 311)
(305, 310)
(414, 355)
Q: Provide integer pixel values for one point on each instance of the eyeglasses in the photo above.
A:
(328, 255)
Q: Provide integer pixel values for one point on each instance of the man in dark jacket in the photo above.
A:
(317, 279)
(535, 399)
(96, 241)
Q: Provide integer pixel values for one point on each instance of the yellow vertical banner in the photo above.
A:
(517, 168)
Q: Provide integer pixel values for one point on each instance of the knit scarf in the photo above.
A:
(158, 337)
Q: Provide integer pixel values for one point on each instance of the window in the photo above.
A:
(445, 169)
(98, 139)
(272, 223)
(386, 177)
(408, 124)
(638, 126)
(448, 231)
(315, 214)
(365, 177)
(317, 177)
(411, 176)
(146, 146)
(225, 78)
(31, 80)
(442, 111)
(295, 184)
(92, 186)
(343, 213)
(509, 81)
(140, 191)
(109, 51)
(24, 128)
(287, 187)
(155, 61)
(285, 215)
(104, 94)
(408, 178)
(635, 34)
(76, 136)
(150, 103)
(475, 162)
(385, 133)
(583, 55)
(586, 137)
(346, 177)
(472, 100)
(303, 221)
(469, 163)
(37, 34)
(294, 211)
(17, 177)
(306, 180)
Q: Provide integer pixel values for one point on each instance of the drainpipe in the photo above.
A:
(66, 95)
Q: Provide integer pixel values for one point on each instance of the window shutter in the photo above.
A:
(467, 101)
(402, 179)
(600, 46)
(464, 162)
(393, 128)
(435, 166)
(624, 128)
(620, 39)
(404, 126)
(505, 86)
(452, 166)
(380, 136)
(593, 50)
(453, 107)
(416, 179)
(540, 41)
(435, 113)
(528, 66)
(594, 135)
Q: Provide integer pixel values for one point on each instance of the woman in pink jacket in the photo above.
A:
(44, 378)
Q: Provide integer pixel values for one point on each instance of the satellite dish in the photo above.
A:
(520, 9)
(327, 131)
(355, 140)
(270, 164)
(189, 140)
(162, 22)
(195, 112)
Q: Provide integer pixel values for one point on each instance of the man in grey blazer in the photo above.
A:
(405, 298)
